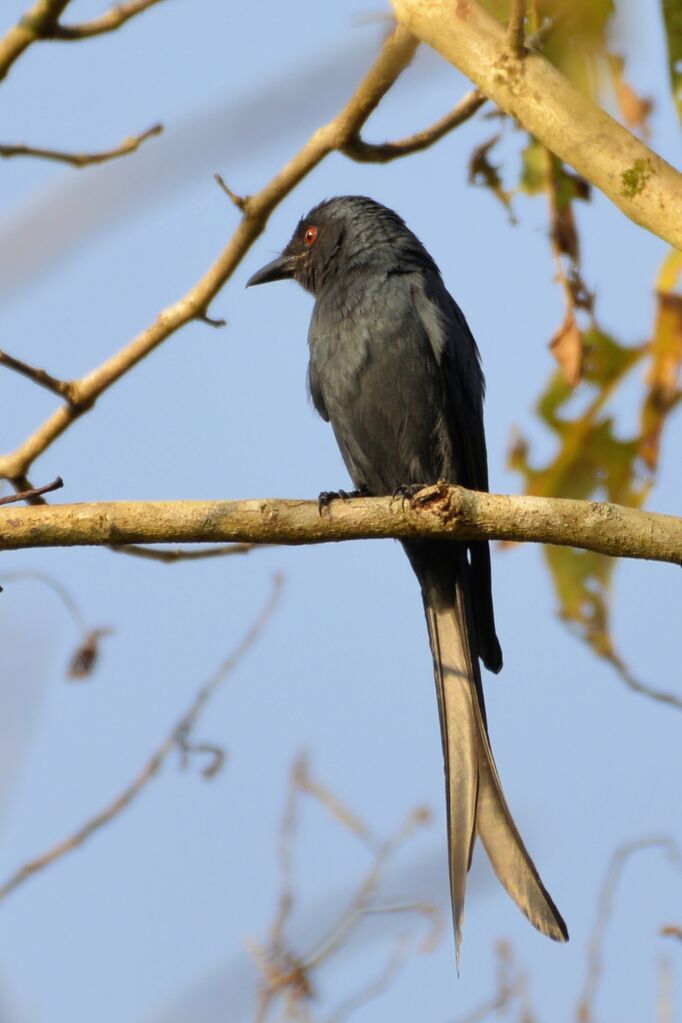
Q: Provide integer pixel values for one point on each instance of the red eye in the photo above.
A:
(310, 235)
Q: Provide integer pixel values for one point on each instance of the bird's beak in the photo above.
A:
(279, 270)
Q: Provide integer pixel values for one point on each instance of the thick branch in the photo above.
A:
(396, 54)
(439, 511)
(129, 145)
(634, 177)
(37, 23)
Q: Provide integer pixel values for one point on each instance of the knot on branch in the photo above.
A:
(440, 499)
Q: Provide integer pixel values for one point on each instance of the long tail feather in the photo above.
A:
(475, 801)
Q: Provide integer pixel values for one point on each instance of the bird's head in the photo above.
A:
(348, 234)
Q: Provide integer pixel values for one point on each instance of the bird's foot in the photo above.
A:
(326, 497)
(406, 492)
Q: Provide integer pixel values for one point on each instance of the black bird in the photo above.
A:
(396, 371)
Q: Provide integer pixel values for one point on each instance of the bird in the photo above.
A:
(395, 370)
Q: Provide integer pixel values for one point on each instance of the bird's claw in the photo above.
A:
(326, 497)
(406, 492)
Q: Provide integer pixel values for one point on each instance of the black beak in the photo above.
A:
(279, 270)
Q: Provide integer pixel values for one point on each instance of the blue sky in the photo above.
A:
(147, 922)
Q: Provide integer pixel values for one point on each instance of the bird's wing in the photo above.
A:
(457, 355)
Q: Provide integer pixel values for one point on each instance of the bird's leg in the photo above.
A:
(326, 497)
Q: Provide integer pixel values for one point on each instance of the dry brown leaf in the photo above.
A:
(634, 108)
(663, 379)
(567, 348)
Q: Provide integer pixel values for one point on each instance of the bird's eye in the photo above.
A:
(310, 235)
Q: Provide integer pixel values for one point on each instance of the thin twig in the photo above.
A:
(240, 201)
(511, 984)
(287, 831)
(288, 975)
(395, 963)
(361, 901)
(107, 22)
(659, 695)
(38, 376)
(129, 145)
(84, 658)
(595, 950)
(366, 152)
(173, 740)
(172, 557)
(25, 495)
(515, 29)
(57, 588)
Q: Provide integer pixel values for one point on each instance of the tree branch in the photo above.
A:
(171, 557)
(107, 22)
(515, 29)
(396, 54)
(366, 152)
(37, 23)
(31, 492)
(178, 738)
(129, 145)
(634, 177)
(440, 511)
(38, 376)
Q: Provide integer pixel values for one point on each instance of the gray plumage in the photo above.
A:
(395, 369)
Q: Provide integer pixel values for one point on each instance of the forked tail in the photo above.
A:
(475, 801)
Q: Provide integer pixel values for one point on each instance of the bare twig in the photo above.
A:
(174, 740)
(239, 201)
(288, 975)
(383, 982)
(57, 588)
(440, 511)
(660, 696)
(396, 54)
(129, 145)
(172, 557)
(512, 984)
(361, 903)
(366, 152)
(38, 376)
(84, 658)
(25, 495)
(107, 22)
(595, 952)
(665, 1007)
(515, 30)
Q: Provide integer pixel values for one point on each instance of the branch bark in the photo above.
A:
(646, 188)
(37, 23)
(440, 511)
